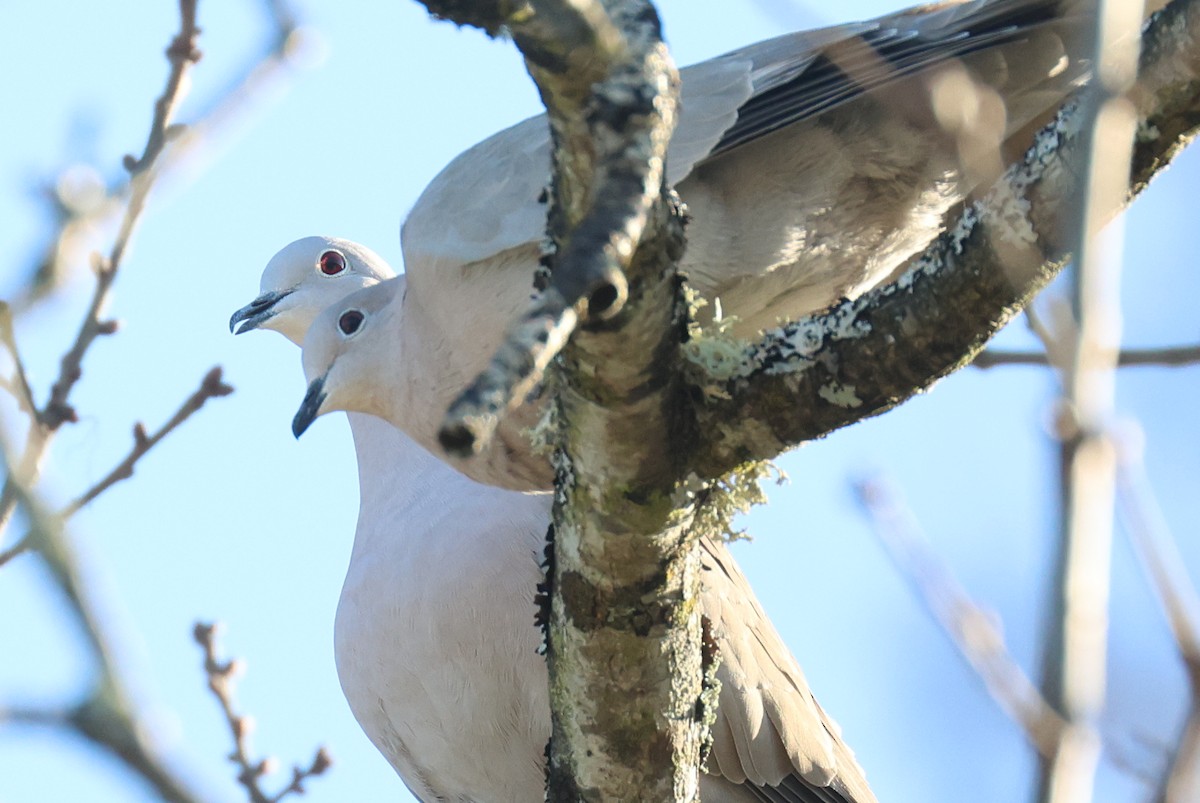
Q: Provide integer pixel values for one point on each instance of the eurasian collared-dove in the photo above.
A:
(434, 638)
(813, 166)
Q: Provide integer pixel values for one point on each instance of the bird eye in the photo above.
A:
(331, 263)
(351, 321)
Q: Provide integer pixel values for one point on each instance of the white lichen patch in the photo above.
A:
(716, 354)
(544, 435)
(840, 395)
(795, 347)
(962, 231)
(1147, 131)
(1006, 207)
(1009, 216)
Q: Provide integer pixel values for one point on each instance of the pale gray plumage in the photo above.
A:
(813, 168)
(435, 641)
(813, 165)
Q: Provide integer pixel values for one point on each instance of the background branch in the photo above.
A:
(1127, 358)
(222, 681)
(211, 387)
(1076, 656)
(1159, 555)
(972, 630)
(106, 716)
(182, 54)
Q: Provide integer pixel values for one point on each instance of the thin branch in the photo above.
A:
(222, 676)
(610, 128)
(515, 369)
(970, 629)
(46, 717)
(211, 387)
(74, 221)
(22, 545)
(19, 386)
(182, 54)
(867, 355)
(107, 716)
(1128, 358)
(1075, 681)
(1056, 334)
(1159, 554)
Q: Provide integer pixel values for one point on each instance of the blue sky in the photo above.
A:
(232, 519)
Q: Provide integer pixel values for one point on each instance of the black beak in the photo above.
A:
(257, 312)
(310, 408)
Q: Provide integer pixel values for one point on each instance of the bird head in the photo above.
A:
(351, 354)
(304, 278)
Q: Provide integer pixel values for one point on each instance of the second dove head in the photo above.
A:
(348, 354)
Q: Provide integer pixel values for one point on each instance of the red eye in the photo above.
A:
(331, 263)
(351, 321)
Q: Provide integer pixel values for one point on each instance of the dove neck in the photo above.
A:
(386, 452)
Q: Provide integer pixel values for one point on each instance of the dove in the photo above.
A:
(813, 166)
(435, 643)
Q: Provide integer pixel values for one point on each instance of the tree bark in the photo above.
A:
(639, 430)
(863, 357)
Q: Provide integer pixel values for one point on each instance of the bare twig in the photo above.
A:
(972, 630)
(516, 368)
(211, 387)
(597, 219)
(107, 716)
(182, 54)
(1160, 558)
(222, 676)
(19, 386)
(36, 716)
(78, 216)
(1129, 358)
(1056, 331)
(23, 545)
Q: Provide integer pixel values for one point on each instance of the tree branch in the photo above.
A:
(591, 70)
(971, 629)
(77, 214)
(865, 356)
(222, 676)
(1127, 358)
(624, 574)
(107, 716)
(182, 54)
(1159, 555)
(19, 386)
(1075, 678)
(210, 387)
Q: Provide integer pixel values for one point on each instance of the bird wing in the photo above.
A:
(770, 735)
(486, 201)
